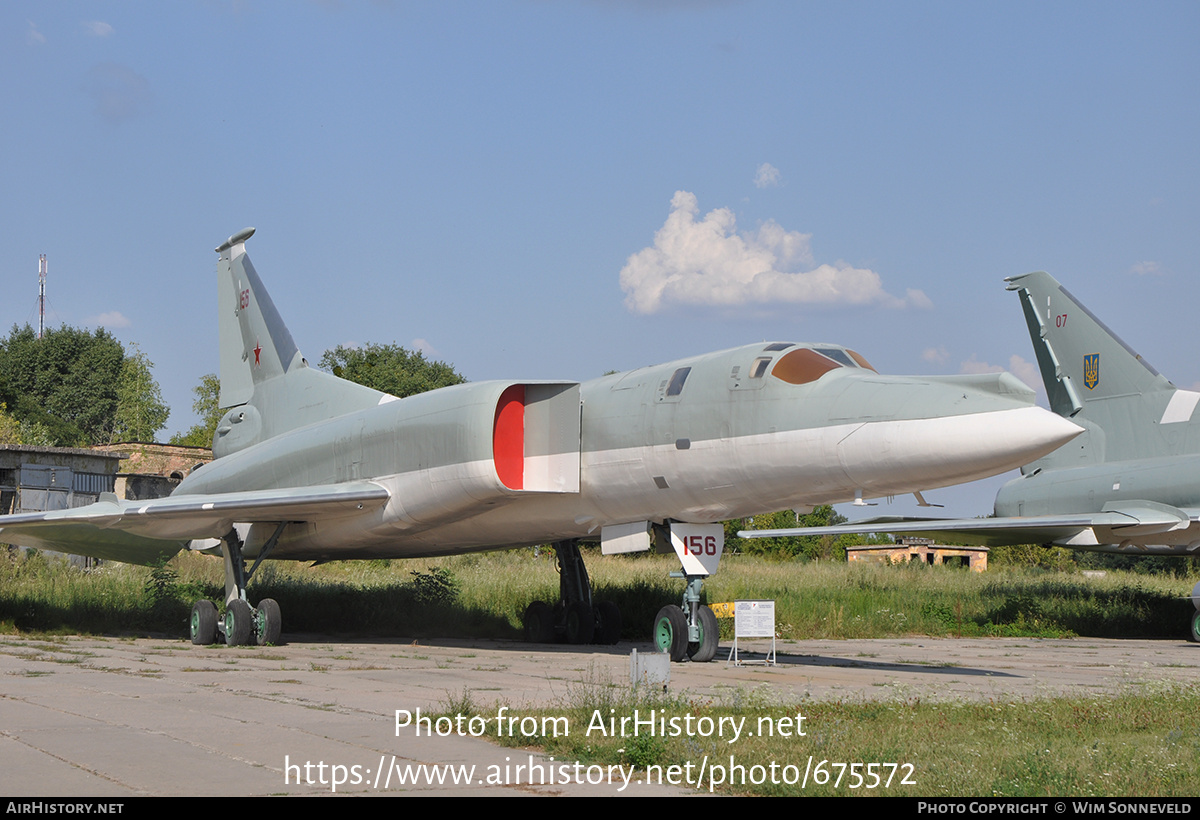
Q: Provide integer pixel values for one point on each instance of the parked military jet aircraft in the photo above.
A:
(1129, 483)
(310, 467)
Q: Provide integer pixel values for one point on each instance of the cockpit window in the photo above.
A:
(861, 361)
(774, 347)
(759, 367)
(838, 355)
(802, 366)
(677, 380)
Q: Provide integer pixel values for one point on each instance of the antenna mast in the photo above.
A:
(41, 294)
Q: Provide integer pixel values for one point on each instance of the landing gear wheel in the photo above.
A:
(705, 649)
(608, 623)
(581, 626)
(539, 623)
(267, 622)
(239, 623)
(1194, 634)
(671, 632)
(607, 620)
(204, 623)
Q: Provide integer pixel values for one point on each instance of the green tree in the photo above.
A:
(207, 407)
(390, 369)
(141, 412)
(10, 428)
(14, 431)
(66, 382)
(1029, 556)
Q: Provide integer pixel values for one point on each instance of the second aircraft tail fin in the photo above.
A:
(1095, 379)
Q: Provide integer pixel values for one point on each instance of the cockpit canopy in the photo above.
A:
(805, 364)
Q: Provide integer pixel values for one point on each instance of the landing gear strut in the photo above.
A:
(242, 624)
(575, 618)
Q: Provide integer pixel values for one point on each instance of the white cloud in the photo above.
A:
(1146, 269)
(423, 346)
(1025, 371)
(935, 355)
(97, 28)
(33, 36)
(767, 176)
(917, 299)
(111, 319)
(708, 262)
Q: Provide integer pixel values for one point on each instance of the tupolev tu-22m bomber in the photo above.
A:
(311, 467)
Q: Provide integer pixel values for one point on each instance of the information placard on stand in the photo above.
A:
(753, 619)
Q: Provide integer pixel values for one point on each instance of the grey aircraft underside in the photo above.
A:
(1130, 483)
(309, 466)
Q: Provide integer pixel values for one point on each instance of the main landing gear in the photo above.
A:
(242, 624)
(575, 618)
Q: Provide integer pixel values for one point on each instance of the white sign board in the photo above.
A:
(754, 619)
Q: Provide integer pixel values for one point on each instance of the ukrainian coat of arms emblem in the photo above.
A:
(1091, 370)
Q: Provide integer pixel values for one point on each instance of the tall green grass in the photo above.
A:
(485, 595)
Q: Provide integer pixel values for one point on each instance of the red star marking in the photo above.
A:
(257, 350)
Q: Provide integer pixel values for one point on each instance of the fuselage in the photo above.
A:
(725, 435)
(1151, 502)
(1138, 461)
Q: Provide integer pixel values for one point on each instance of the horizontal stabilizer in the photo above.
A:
(82, 538)
(142, 532)
(1136, 518)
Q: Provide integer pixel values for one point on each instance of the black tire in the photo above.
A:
(239, 623)
(670, 632)
(268, 622)
(204, 623)
(581, 625)
(608, 623)
(539, 623)
(1194, 632)
(705, 649)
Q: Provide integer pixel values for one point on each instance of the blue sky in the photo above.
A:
(515, 186)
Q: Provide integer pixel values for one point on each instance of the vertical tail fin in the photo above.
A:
(261, 367)
(1095, 379)
(255, 343)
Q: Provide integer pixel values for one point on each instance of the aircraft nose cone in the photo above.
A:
(1045, 432)
(885, 458)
